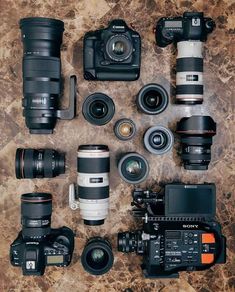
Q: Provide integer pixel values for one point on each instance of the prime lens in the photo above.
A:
(196, 139)
(124, 129)
(98, 109)
(97, 256)
(36, 209)
(133, 168)
(93, 165)
(158, 140)
(39, 163)
(127, 241)
(152, 99)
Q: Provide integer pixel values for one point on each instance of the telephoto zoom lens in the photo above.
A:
(152, 99)
(189, 72)
(36, 209)
(42, 38)
(158, 140)
(97, 256)
(133, 168)
(39, 163)
(93, 165)
(196, 138)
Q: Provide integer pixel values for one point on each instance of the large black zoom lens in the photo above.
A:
(42, 38)
(196, 137)
(39, 163)
(36, 209)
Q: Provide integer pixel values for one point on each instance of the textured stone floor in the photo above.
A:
(158, 66)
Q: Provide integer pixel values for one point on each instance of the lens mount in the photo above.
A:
(152, 99)
(133, 168)
(124, 129)
(119, 47)
(158, 140)
(97, 256)
(98, 109)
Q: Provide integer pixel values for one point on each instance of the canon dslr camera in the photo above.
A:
(179, 231)
(112, 53)
(37, 245)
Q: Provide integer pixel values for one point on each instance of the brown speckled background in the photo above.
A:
(158, 65)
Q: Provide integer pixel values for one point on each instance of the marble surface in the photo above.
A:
(158, 65)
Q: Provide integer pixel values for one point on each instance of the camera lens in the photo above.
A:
(127, 241)
(36, 209)
(158, 140)
(133, 168)
(97, 257)
(124, 129)
(196, 138)
(93, 166)
(38, 163)
(119, 47)
(152, 99)
(98, 109)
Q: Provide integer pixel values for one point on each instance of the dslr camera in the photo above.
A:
(179, 230)
(189, 32)
(112, 53)
(37, 245)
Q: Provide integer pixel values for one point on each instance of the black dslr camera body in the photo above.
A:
(189, 32)
(179, 231)
(37, 245)
(112, 53)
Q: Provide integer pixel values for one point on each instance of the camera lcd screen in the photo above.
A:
(173, 24)
(190, 200)
(55, 259)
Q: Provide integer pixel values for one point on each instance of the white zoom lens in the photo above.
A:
(189, 72)
(93, 166)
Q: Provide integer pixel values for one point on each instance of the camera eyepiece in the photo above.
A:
(152, 99)
(196, 138)
(97, 256)
(36, 209)
(39, 163)
(133, 168)
(98, 109)
(158, 140)
(124, 129)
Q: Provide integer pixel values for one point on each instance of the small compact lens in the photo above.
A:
(97, 257)
(127, 242)
(119, 47)
(133, 168)
(98, 109)
(39, 163)
(196, 138)
(152, 99)
(158, 140)
(124, 129)
(36, 209)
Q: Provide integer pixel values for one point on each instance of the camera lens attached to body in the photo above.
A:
(38, 163)
(124, 129)
(152, 99)
(98, 109)
(97, 256)
(196, 138)
(119, 47)
(158, 140)
(133, 168)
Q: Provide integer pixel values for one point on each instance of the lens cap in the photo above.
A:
(98, 109)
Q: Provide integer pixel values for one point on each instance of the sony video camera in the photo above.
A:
(179, 231)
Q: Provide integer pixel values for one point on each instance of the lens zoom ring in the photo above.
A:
(189, 64)
(95, 193)
(93, 165)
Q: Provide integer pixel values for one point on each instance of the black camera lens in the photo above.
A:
(98, 109)
(127, 241)
(158, 140)
(119, 47)
(196, 138)
(152, 99)
(42, 38)
(133, 168)
(124, 129)
(97, 257)
(36, 209)
(39, 163)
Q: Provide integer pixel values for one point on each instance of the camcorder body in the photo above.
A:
(179, 231)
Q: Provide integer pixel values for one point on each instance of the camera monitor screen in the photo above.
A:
(190, 200)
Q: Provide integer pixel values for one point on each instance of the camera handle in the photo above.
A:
(73, 203)
(70, 112)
